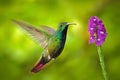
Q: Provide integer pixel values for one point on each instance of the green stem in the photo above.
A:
(101, 57)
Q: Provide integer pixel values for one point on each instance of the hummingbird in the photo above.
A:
(51, 41)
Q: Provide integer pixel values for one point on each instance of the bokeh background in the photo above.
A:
(79, 60)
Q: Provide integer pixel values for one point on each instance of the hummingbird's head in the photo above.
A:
(64, 25)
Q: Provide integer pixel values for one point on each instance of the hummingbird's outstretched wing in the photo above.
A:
(40, 36)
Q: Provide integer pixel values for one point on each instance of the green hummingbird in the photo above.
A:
(52, 41)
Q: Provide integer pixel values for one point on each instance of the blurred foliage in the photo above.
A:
(79, 60)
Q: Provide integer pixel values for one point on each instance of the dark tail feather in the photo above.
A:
(38, 66)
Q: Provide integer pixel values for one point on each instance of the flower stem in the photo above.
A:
(101, 57)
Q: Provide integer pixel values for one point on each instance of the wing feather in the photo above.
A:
(48, 29)
(39, 35)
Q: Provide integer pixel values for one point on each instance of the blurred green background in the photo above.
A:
(79, 60)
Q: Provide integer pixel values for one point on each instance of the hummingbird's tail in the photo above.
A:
(39, 65)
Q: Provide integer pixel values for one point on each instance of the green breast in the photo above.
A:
(55, 45)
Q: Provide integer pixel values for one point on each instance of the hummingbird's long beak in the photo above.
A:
(71, 24)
